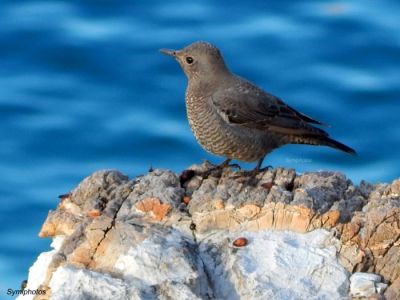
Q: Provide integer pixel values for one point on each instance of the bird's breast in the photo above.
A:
(219, 137)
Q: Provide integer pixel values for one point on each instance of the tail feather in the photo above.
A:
(321, 140)
(337, 145)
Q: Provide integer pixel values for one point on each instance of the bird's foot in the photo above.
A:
(247, 177)
(246, 173)
(255, 171)
(226, 163)
(266, 168)
(217, 170)
(234, 166)
(252, 174)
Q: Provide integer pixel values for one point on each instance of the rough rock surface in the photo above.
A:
(164, 236)
(274, 265)
(366, 285)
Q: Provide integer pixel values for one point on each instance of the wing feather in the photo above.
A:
(246, 105)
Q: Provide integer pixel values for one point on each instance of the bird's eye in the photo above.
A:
(189, 60)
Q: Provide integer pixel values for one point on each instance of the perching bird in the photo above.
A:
(234, 118)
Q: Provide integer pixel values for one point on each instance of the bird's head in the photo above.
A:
(200, 60)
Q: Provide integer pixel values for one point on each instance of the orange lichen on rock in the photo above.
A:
(94, 213)
(155, 206)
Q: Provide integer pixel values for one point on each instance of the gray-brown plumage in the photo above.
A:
(234, 118)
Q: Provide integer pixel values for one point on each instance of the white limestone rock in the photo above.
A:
(69, 282)
(168, 263)
(366, 284)
(38, 271)
(275, 265)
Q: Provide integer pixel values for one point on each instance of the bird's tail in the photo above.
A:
(322, 140)
(337, 145)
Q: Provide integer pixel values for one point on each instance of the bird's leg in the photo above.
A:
(224, 164)
(257, 169)
(259, 164)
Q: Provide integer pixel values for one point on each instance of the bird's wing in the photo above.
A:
(246, 105)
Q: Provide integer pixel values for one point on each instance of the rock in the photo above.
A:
(274, 265)
(39, 272)
(182, 237)
(371, 240)
(153, 205)
(69, 282)
(366, 285)
(319, 191)
(166, 258)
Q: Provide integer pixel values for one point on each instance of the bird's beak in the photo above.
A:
(169, 52)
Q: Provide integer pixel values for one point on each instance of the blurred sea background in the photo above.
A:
(83, 87)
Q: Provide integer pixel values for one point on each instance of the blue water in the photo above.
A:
(83, 87)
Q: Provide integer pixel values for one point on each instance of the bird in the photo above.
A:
(234, 118)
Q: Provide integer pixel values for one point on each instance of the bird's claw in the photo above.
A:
(266, 168)
(219, 168)
(236, 166)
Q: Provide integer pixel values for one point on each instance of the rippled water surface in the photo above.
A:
(83, 87)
